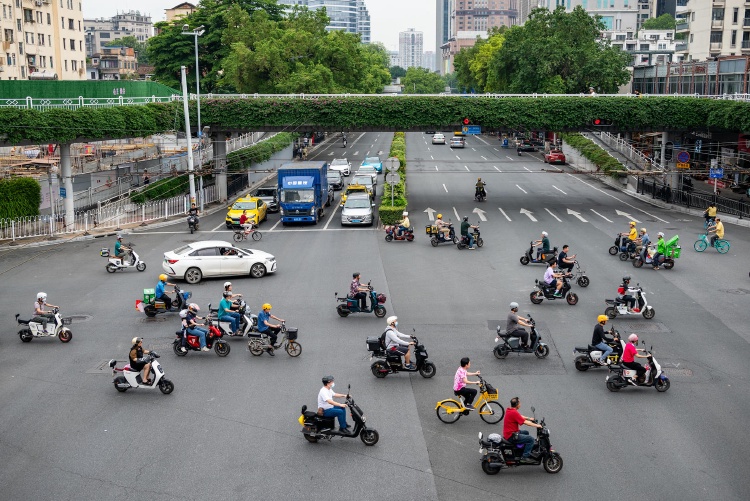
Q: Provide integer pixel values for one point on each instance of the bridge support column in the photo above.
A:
(66, 171)
(220, 164)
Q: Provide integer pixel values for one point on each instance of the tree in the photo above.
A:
(397, 72)
(422, 81)
(132, 42)
(663, 22)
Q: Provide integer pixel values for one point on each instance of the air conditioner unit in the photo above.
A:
(39, 3)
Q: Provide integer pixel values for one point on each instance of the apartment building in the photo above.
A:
(411, 48)
(714, 28)
(180, 10)
(101, 31)
(351, 16)
(114, 63)
(42, 40)
(443, 29)
(483, 15)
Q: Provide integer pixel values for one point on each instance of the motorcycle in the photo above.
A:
(590, 355)
(619, 307)
(316, 426)
(391, 363)
(193, 223)
(480, 194)
(647, 258)
(260, 342)
(248, 320)
(34, 329)
(438, 237)
(512, 344)
(352, 305)
(625, 247)
(620, 376)
(544, 291)
(579, 276)
(192, 342)
(498, 453)
(528, 256)
(155, 306)
(115, 263)
(464, 241)
(391, 234)
(132, 379)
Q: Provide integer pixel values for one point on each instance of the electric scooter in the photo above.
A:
(391, 234)
(55, 327)
(391, 363)
(115, 263)
(132, 379)
(438, 237)
(316, 426)
(619, 306)
(193, 223)
(528, 256)
(512, 344)
(544, 291)
(248, 320)
(352, 305)
(589, 355)
(620, 376)
(156, 306)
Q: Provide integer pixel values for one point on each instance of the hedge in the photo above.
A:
(19, 197)
(591, 151)
(392, 214)
(242, 159)
(165, 188)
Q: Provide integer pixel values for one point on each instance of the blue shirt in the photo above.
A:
(159, 292)
(262, 317)
(224, 306)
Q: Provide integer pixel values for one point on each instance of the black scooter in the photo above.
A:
(463, 243)
(480, 194)
(316, 427)
(544, 291)
(438, 237)
(512, 344)
(589, 355)
(352, 305)
(193, 223)
(546, 259)
(391, 363)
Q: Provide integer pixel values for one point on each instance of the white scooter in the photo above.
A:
(248, 321)
(620, 376)
(619, 307)
(54, 328)
(115, 263)
(132, 378)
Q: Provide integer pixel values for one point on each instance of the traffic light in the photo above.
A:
(466, 121)
(601, 122)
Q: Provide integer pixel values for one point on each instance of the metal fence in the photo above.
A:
(43, 104)
(689, 198)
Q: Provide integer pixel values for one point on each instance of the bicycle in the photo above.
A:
(259, 342)
(491, 411)
(242, 233)
(722, 246)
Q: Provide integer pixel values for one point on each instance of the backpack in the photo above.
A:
(382, 338)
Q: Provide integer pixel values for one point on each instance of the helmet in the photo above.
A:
(601, 318)
(632, 223)
(660, 234)
(626, 278)
(327, 379)
(193, 307)
(643, 230)
(227, 284)
(267, 306)
(544, 233)
(404, 213)
(513, 305)
(479, 179)
(466, 218)
(137, 340)
(633, 338)
(440, 216)
(162, 278)
(226, 293)
(119, 237)
(42, 296)
(355, 274)
(391, 319)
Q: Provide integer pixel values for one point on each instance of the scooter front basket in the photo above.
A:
(381, 298)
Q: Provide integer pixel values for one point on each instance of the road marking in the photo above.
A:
(528, 213)
(472, 149)
(467, 168)
(483, 157)
(222, 224)
(558, 189)
(495, 149)
(458, 157)
(521, 189)
(436, 167)
(430, 213)
(621, 213)
(495, 166)
(611, 195)
(550, 213)
(446, 189)
(433, 158)
(458, 218)
(480, 213)
(527, 168)
(503, 213)
(578, 215)
(356, 153)
(509, 158)
(330, 154)
(331, 218)
(592, 210)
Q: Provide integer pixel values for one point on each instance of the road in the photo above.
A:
(229, 430)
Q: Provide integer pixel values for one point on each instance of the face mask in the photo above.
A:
(332, 385)
(396, 324)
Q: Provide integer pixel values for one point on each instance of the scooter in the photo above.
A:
(625, 247)
(260, 342)
(248, 320)
(391, 363)
(34, 329)
(391, 234)
(498, 453)
(619, 307)
(438, 237)
(647, 258)
(544, 291)
(463, 243)
(192, 342)
(193, 223)
(579, 276)
(316, 426)
(352, 305)
(132, 379)
(590, 355)
(512, 344)
(156, 306)
(480, 194)
(115, 263)
(528, 257)
(620, 376)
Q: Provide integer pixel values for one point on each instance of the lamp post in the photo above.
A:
(196, 33)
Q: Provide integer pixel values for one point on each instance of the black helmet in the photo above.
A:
(355, 274)
(327, 379)
(466, 218)
(626, 278)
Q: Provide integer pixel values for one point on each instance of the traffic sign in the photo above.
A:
(716, 173)
(63, 192)
(471, 129)
(683, 165)
(683, 157)
(392, 164)
(392, 178)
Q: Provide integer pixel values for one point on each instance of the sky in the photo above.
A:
(387, 17)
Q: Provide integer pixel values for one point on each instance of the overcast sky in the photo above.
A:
(387, 17)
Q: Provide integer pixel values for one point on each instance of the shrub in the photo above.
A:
(592, 152)
(165, 188)
(19, 197)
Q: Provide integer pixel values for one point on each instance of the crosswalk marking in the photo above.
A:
(527, 168)
(504, 214)
(467, 168)
(592, 210)
(509, 158)
(495, 166)
(446, 189)
(551, 214)
(521, 189)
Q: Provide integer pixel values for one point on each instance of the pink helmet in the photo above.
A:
(633, 338)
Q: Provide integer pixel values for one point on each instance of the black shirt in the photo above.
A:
(561, 259)
(598, 335)
(193, 211)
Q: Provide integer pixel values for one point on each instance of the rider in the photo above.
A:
(243, 220)
(718, 228)
(394, 343)
(330, 407)
(624, 291)
(632, 233)
(136, 359)
(599, 339)
(41, 315)
(465, 226)
(512, 425)
(193, 211)
(120, 250)
(551, 278)
(710, 213)
(643, 242)
(460, 380)
(565, 262)
(628, 358)
(225, 313)
(543, 245)
(512, 326)
(357, 291)
(264, 327)
(443, 227)
(159, 292)
(404, 224)
(480, 188)
(661, 248)
(194, 328)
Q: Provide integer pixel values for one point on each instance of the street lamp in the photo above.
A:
(196, 33)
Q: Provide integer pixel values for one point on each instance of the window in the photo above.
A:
(49, 18)
(66, 65)
(20, 48)
(63, 22)
(80, 45)
(72, 44)
(717, 15)
(41, 38)
(9, 35)
(28, 16)
(735, 15)
(74, 65)
(716, 36)
(23, 71)
(71, 24)
(734, 38)
(18, 25)
(51, 62)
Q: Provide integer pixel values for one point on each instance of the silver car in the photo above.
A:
(368, 170)
(358, 209)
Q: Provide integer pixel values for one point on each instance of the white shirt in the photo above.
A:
(324, 395)
(392, 338)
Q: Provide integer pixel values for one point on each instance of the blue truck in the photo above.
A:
(303, 191)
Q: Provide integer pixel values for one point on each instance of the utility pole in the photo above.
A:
(191, 175)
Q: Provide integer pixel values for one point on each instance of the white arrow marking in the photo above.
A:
(621, 213)
(433, 158)
(430, 213)
(458, 218)
(446, 189)
(520, 188)
(480, 213)
(527, 169)
(467, 168)
(330, 154)
(550, 213)
(356, 153)
(578, 215)
(436, 167)
(483, 157)
(503, 213)
(509, 158)
(528, 213)
(558, 189)
(495, 149)
(609, 220)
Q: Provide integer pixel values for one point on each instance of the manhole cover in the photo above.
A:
(678, 372)
(740, 292)
(148, 320)
(101, 368)
(650, 327)
(80, 318)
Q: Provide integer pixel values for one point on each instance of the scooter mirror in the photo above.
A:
(533, 409)
(480, 435)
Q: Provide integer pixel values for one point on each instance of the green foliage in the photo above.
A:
(397, 72)
(591, 151)
(165, 188)
(422, 81)
(242, 159)
(663, 22)
(388, 214)
(19, 197)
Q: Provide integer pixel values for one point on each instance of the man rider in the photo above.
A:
(394, 343)
(543, 245)
(629, 354)
(137, 362)
(225, 313)
(624, 291)
(264, 327)
(41, 315)
(120, 250)
(443, 227)
(599, 339)
(565, 262)
(159, 292)
(193, 211)
(551, 278)
(661, 249)
(357, 291)
(512, 425)
(718, 229)
(404, 224)
(330, 407)
(512, 327)
(632, 233)
(194, 328)
(710, 213)
(643, 242)
(465, 227)
(480, 188)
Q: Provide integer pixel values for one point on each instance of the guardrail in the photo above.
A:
(74, 103)
(639, 160)
(688, 198)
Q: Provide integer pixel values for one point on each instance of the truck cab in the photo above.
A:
(303, 192)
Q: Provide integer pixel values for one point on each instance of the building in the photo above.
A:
(649, 47)
(42, 40)
(724, 75)
(443, 29)
(483, 15)
(428, 61)
(114, 63)
(394, 58)
(99, 32)
(411, 48)
(713, 29)
(180, 10)
(351, 16)
(462, 40)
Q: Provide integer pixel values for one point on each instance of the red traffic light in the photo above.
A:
(466, 121)
(597, 121)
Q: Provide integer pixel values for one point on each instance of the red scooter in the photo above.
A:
(213, 340)
(391, 233)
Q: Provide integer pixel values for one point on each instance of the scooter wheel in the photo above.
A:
(624, 256)
(410, 237)
(389, 238)
(369, 437)
(310, 438)
(661, 385)
(177, 350)
(255, 347)
(580, 363)
(342, 311)
(111, 268)
(222, 349)
(649, 313)
(459, 246)
(480, 242)
(65, 335)
(611, 312)
(524, 260)
(380, 311)
(149, 310)
(541, 351)
(572, 298)
(379, 370)
(611, 386)
(434, 242)
(613, 250)
(488, 469)
(638, 262)
(583, 281)
(428, 370)
(535, 297)
(166, 386)
(668, 265)
(553, 463)
(293, 348)
(500, 352)
(120, 380)
(140, 266)
(25, 335)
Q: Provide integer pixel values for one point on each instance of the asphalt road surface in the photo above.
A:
(230, 431)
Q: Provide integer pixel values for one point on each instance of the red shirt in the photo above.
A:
(513, 422)
(628, 355)
(243, 219)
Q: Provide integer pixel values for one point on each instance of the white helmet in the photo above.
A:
(544, 233)
(42, 296)
(391, 319)
(513, 305)
(227, 284)
(404, 213)
(633, 338)
(194, 307)
(660, 234)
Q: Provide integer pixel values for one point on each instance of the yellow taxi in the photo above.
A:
(255, 207)
(355, 188)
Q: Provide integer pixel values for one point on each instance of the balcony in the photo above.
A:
(746, 46)
(717, 24)
(681, 47)
(715, 46)
(682, 27)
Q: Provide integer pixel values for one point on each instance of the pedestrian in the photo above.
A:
(146, 179)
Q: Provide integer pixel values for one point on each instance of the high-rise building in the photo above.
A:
(410, 48)
(483, 15)
(443, 29)
(711, 29)
(351, 16)
(42, 40)
(125, 24)
(617, 15)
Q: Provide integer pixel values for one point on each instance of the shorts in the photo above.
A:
(400, 349)
(137, 366)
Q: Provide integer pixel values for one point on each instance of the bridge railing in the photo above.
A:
(640, 161)
(73, 103)
(689, 198)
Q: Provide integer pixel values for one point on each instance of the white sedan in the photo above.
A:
(215, 258)
(438, 139)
